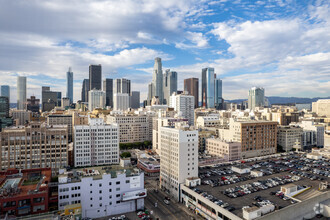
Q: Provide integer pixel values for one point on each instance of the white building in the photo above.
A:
(287, 136)
(179, 157)
(313, 133)
(321, 107)
(21, 117)
(208, 121)
(21, 92)
(184, 105)
(256, 97)
(102, 191)
(65, 102)
(120, 101)
(96, 99)
(96, 143)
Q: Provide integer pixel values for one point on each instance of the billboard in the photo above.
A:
(138, 194)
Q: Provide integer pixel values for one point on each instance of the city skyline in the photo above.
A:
(236, 38)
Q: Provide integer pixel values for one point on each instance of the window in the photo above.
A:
(118, 202)
(91, 192)
(100, 184)
(100, 191)
(117, 189)
(118, 182)
(109, 183)
(91, 198)
(110, 203)
(110, 190)
(100, 198)
(118, 195)
(100, 204)
(127, 181)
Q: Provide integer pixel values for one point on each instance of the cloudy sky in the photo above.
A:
(281, 45)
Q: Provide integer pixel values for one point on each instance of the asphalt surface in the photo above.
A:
(174, 210)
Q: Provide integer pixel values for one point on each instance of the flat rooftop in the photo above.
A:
(279, 164)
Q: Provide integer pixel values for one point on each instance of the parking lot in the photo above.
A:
(234, 191)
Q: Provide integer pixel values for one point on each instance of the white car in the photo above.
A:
(166, 202)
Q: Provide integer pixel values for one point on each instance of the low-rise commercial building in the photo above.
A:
(287, 136)
(150, 166)
(102, 191)
(228, 150)
(321, 107)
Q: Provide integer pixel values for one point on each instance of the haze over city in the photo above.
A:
(282, 46)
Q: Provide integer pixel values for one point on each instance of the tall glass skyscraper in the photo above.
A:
(218, 94)
(256, 97)
(108, 89)
(157, 80)
(170, 82)
(84, 90)
(69, 85)
(5, 91)
(95, 77)
(21, 92)
(210, 88)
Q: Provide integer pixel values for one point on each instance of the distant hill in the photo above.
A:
(285, 100)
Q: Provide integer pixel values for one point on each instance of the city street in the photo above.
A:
(174, 210)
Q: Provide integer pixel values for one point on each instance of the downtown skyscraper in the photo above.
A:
(256, 97)
(84, 90)
(95, 77)
(21, 92)
(191, 86)
(157, 80)
(69, 85)
(108, 89)
(208, 87)
(5, 91)
(170, 81)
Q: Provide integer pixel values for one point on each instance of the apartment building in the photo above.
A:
(208, 121)
(20, 117)
(287, 136)
(35, 146)
(228, 150)
(184, 105)
(102, 191)
(178, 158)
(321, 107)
(203, 134)
(132, 127)
(313, 133)
(257, 138)
(96, 143)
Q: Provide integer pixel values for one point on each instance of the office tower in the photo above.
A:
(84, 91)
(50, 99)
(208, 91)
(122, 86)
(96, 99)
(21, 92)
(4, 106)
(157, 80)
(65, 102)
(69, 85)
(218, 101)
(5, 91)
(41, 137)
(170, 81)
(95, 77)
(88, 152)
(59, 98)
(33, 104)
(135, 99)
(184, 105)
(120, 101)
(191, 86)
(108, 89)
(150, 94)
(60, 119)
(178, 158)
(256, 97)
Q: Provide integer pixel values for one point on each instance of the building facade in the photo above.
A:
(57, 119)
(21, 117)
(184, 105)
(256, 97)
(230, 151)
(192, 87)
(218, 100)
(21, 92)
(287, 136)
(178, 158)
(84, 90)
(102, 191)
(108, 89)
(322, 107)
(5, 91)
(96, 99)
(135, 99)
(208, 91)
(96, 143)
(34, 146)
(170, 84)
(69, 85)
(157, 80)
(95, 77)
(33, 104)
(122, 86)
(121, 101)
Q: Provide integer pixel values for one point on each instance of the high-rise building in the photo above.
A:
(120, 101)
(157, 80)
(150, 94)
(184, 105)
(84, 91)
(50, 99)
(41, 137)
(191, 86)
(96, 99)
(21, 92)
(5, 91)
(95, 77)
(218, 100)
(170, 81)
(108, 89)
(103, 151)
(65, 102)
(33, 104)
(4, 106)
(178, 158)
(122, 86)
(208, 92)
(135, 99)
(69, 85)
(256, 97)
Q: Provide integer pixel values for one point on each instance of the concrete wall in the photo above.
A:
(299, 210)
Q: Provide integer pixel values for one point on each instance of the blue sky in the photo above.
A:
(281, 45)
